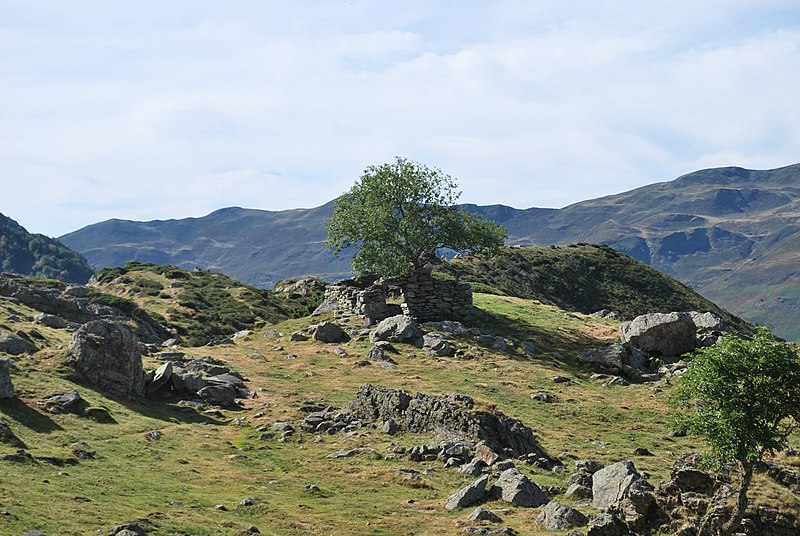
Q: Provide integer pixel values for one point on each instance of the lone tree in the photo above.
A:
(398, 215)
(744, 396)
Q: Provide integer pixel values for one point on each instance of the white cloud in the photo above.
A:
(153, 110)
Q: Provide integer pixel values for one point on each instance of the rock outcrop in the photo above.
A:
(557, 516)
(106, 355)
(398, 328)
(14, 344)
(453, 417)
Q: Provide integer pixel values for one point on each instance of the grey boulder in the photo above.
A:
(469, 495)
(106, 354)
(13, 344)
(516, 488)
(557, 516)
(398, 328)
(667, 335)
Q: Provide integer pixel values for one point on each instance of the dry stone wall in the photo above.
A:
(423, 297)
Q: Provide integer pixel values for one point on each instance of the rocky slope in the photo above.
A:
(732, 234)
(36, 255)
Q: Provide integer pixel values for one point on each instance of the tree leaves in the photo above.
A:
(398, 215)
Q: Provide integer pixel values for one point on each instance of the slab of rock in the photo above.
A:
(473, 468)
(687, 475)
(667, 335)
(486, 454)
(610, 484)
(516, 488)
(160, 378)
(106, 354)
(557, 516)
(469, 495)
(398, 328)
(13, 344)
(6, 387)
(69, 402)
(218, 395)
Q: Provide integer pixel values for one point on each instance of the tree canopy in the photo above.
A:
(398, 215)
(744, 396)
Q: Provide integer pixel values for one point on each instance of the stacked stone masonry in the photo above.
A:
(421, 297)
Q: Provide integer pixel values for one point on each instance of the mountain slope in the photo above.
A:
(730, 233)
(39, 256)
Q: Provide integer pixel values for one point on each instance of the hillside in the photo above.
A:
(36, 255)
(164, 464)
(204, 306)
(581, 277)
(731, 234)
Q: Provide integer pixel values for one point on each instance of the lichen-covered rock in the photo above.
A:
(51, 321)
(6, 387)
(435, 344)
(610, 484)
(557, 516)
(687, 475)
(106, 355)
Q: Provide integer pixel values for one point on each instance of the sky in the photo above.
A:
(172, 109)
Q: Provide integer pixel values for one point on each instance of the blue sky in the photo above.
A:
(156, 110)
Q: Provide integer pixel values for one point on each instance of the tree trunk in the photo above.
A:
(741, 503)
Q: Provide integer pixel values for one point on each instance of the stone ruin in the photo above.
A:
(418, 295)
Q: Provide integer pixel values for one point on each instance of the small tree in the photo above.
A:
(399, 215)
(744, 396)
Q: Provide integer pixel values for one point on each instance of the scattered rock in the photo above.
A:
(642, 451)
(486, 454)
(469, 495)
(346, 453)
(435, 344)
(106, 354)
(561, 379)
(473, 468)
(688, 477)
(544, 396)
(160, 378)
(557, 516)
(606, 524)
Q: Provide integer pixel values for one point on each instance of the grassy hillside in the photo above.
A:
(203, 306)
(582, 277)
(204, 459)
(36, 255)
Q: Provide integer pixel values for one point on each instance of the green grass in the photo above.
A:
(203, 461)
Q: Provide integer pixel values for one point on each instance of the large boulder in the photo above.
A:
(610, 485)
(516, 488)
(13, 344)
(687, 475)
(6, 387)
(557, 516)
(106, 354)
(435, 344)
(329, 332)
(667, 335)
(469, 495)
(398, 328)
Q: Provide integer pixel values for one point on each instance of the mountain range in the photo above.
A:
(732, 234)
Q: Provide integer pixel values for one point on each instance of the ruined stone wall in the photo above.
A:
(424, 298)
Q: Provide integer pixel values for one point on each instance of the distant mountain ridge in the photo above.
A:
(732, 234)
(38, 255)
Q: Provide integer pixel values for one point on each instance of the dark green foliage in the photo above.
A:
(397, 216)
(123, 304)
(39, 256)
(584, 278)
(212, 305)
(744, 396)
